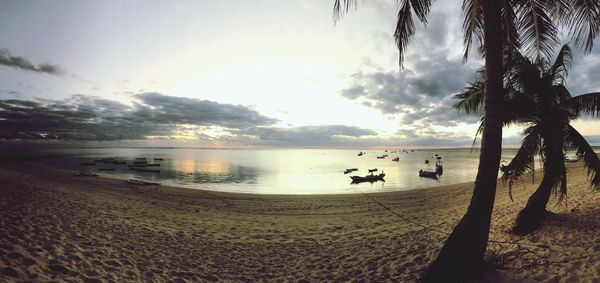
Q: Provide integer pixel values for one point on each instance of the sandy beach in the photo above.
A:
(56, 226)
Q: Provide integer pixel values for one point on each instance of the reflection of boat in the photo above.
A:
(368, 178)
(372, 170)
(428, 174)
(396, 158)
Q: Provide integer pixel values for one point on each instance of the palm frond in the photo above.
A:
(560, 69)
(539, 33)
(470, 99)
(342, 7)
(405, 27)
(586, 152)
(588, 104)
(524, 159)
(478, 133)
(472, 24)
(583, 22)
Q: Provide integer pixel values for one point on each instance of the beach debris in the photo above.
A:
(85, 174)
(141, 182)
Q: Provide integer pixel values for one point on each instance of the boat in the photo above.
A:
(369, 178)
(428, 174)
(426, 161)
(141, 182)
(106, 169)
(439, 169)
(361, 153)
(350, 170)
(396, 158)
(372, 170)
(381, 157)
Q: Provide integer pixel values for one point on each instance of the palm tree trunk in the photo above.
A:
(462, 255)
(531, 216)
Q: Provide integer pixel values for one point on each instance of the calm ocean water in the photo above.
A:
(275, 171)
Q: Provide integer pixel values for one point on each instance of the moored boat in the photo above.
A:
(368, 178)
(428, 174)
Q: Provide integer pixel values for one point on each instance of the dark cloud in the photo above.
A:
(9, 60)
(423, 92)
(328, 135)
(91, 118)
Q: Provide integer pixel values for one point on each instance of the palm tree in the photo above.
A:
(497, 26)
(537, 97)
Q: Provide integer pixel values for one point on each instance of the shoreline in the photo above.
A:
(55, 226)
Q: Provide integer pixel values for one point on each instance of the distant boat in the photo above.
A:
(428, 174)
(361, 153)
(381, 157)
(396, 158)
(372, 170)
(368, 178)
(426, 161)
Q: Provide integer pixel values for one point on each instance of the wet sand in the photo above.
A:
(56, 226)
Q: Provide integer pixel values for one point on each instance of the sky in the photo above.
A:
(239, 74)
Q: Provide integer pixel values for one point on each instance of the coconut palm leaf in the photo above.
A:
(539, 33)
(583, 22)
(524, 159)
(472, 24)
(470, 99)
(588, 104)
(586, 152)
(560, 69)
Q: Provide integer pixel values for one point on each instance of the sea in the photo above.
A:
(270, 171)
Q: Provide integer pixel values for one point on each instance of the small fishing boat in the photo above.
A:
(381, 157)
(361, 153)
(397, 158)
(428, 174)
(350, 170)
(369, 178)
(372, 170)
(426, 161)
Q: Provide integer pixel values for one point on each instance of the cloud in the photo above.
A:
(9, 60)
(92, 118)
(424, 91)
